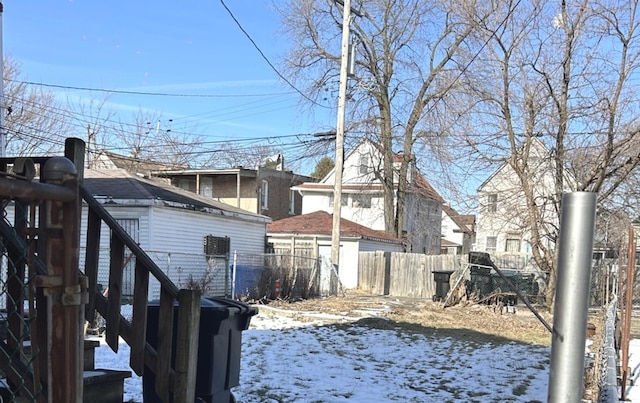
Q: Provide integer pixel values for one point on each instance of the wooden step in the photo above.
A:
(104, 385)
(100, 385)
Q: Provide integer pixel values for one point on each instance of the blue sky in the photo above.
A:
(187, 47)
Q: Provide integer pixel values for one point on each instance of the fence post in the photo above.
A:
(387, 273)
(62, 285)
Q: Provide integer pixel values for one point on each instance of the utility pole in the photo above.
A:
(337, 187)
(90, 138)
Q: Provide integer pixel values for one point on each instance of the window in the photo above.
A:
(132, 227)
(343, 200)
(206, 187)
(492, 202)
(361, 200)
(512, 245)
(292, 202)
(492, 242)
(363, 165)
(264, 195)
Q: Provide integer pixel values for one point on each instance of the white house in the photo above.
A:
(316, 229)
(502, 224)
(458, 231)
(173, 226)
(363, 198)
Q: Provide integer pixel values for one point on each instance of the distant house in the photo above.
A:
(363, 198)
(109, 160)
(316, 228)
(502, 225)
(458, 232)
(262, 191)
(181, 231)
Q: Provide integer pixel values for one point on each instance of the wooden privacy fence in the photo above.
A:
(402, 274)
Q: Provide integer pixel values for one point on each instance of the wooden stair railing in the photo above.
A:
(173, 360)
(175, 379)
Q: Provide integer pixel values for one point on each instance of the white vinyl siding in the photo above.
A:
(182, 231)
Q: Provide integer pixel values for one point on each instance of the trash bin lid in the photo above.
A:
(243, 309)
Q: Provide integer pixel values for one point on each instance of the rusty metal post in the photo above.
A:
(628, 306)
(62, 285)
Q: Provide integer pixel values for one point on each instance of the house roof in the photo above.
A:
(120, 186)
(444, 243)
(539, 148)
(238, 171)
(321, 223)
(245, 172)
(468, 219)
(135, 164)
(464, 222)
(425, 187)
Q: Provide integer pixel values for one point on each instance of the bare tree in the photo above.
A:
(405, 54)
(148, 137)
(230, 154)
(563, 75)
(35, 122)
(92, 113)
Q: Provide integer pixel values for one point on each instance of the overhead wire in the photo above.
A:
(134, 126)
(146, 93)
(255, 45)
(91, 119)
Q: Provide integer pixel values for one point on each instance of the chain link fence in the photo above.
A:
(18, 315)
(239, 276)
(275, 276)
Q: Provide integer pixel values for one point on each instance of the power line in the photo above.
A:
(255, 45)
(160, 94)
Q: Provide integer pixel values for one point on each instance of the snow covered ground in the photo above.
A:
(284, 360)
(633, 391)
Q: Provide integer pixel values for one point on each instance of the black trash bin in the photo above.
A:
(441, 279)
(220, 339)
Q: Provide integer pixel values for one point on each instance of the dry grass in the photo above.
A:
(465, 320)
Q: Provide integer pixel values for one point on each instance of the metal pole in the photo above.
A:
(3, 132)
(575, 248)
(235, 270)
(337, 187)
(628, 306)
